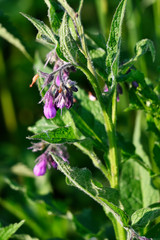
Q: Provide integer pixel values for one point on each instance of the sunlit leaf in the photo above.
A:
(43, 30)
(142, 217)
(68, 45)
(82, 179)
(7, 232)
(58, 135)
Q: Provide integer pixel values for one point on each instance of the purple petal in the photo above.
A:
(49, 109)
(40, 168)
(58, 81)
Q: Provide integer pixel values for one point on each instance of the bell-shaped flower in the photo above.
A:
(41, 167)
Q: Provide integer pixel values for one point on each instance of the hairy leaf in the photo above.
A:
(7, 232)
(114, 40)
(58, 135)
(68, 45)
(142, 217)
(43, 125)
(43, 30)
(82, 179)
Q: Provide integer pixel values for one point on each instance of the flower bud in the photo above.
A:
(41, 167)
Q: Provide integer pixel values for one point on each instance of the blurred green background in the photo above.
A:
(19, 109)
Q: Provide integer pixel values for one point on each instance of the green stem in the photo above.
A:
(119, 230)
(109, 126)
(80, 7)
(109, 118)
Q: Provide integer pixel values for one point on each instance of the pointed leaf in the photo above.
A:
(58, 135)
(7, 232)
(114, 40)
(43, 30)
(68, 45)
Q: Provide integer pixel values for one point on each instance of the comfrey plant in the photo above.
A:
(130, 198)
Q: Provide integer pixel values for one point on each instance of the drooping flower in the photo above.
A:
(60, 87)
(45, 160)
(49, 107)
(41, 167)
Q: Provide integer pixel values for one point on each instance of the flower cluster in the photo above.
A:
(61, 88)
(45, 159)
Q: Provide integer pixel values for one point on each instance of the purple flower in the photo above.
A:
(48, 78)
(45, 159)
(60, 89)
(49, 107)
(134, 84)
(41, 167)
(58, 81)
(60, 101)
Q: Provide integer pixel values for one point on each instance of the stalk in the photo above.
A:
(109, 117)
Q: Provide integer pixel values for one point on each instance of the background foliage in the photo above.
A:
(20, 191)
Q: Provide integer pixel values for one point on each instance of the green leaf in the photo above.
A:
(43, 30)
(55, 14)
(130, 187)
(43, 125)
(142, 217)
(9, 33)
(82, 179)
(149, 195)
(68, 45)
(58, 135)
(88, 118)
(141, 48)
(7, 232)
(114, 40)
